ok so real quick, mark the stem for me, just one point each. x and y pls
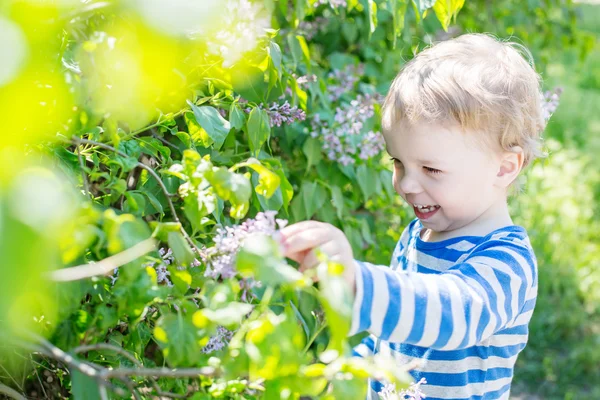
(106, 265)
(13, 394)
(314, 337)
(154, 125)
(86, 185)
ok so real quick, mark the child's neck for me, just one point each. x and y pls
(495, 217)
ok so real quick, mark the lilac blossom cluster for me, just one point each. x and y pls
(550, 101)
(162, 273)
(332, 3)
(280, 114)
(412, 393)
(310, 29)
(218, 341)
(303, 80)
(220, 259)
(343, 80)
(345, 140)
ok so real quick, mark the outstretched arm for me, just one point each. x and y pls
(456, 309)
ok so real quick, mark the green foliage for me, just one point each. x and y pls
(173, 140)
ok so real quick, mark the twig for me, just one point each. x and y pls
(102, 375)
(163, 140)
(106, 346)
(10, 392)
(104, 266)
(154, 125)
(158, 372)
(130, 357)
(37, 374)
(91, 370)
(77, 140)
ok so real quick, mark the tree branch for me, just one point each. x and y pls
(104, 266)
(130, 357)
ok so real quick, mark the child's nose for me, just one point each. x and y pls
(408, 184)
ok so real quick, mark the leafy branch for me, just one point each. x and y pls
(78, 141)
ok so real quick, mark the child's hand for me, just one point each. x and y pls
(299, 240)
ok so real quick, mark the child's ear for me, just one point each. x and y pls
(511, 163)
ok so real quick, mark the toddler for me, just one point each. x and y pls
(461, 120)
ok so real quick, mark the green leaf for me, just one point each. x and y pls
(196, 132)
(154, 201)
(275, 54)
(337, 199)
(237, 118)
(180, 339)
(260, 258)
(312, 150)
(160, 230)
(336, 297)
(445, 10)
(313, 195)
(259, 129)
(367, 180)
(249, 82)
(268, 181)
(213, 123)
(84, 387)
(300, 50)
(372, 16)
(181, 249)
(398, 10)
(134, 203)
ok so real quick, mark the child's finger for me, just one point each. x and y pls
(294, 229)
(305, 240)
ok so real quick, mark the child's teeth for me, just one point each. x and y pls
(427, 209)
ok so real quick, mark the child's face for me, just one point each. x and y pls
(440, 165)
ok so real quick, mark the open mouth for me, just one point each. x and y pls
(425, 212)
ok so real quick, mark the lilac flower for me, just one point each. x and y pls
(345, 136)
(311, 28)
(305, 79)
(412, 393)
(550, 101)
(343, 81)
(280, 114)
(218, 341)
(162, 273)
(220, 259)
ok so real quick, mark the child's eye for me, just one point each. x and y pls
(432, 170)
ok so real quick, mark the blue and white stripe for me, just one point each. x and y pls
(461, 306)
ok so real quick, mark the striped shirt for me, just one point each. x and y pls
(461, 306)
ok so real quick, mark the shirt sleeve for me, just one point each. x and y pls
(456, 309)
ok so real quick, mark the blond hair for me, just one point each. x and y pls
(482, 83)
